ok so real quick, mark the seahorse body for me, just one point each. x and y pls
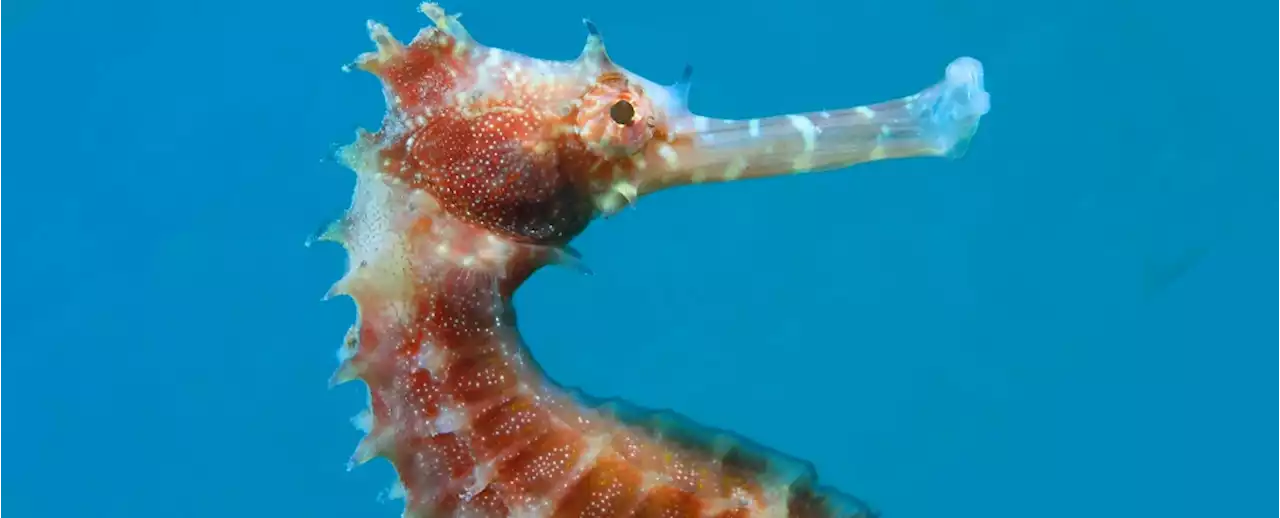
(487, 164)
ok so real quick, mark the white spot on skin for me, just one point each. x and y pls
(699, 175)
(864, 111)
(481, 475)
(539, 508)
(432, 359)
(651, 479)
(450, 420)
(735, 168)
(753, 128)
(627, 190)
(809, 133)
(669, 155)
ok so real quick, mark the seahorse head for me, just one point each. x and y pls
(532, 149)
(535, 149)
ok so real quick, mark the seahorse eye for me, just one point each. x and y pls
(622, 112)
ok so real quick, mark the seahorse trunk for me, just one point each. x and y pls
(468, 419)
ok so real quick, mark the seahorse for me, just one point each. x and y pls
(488, 163)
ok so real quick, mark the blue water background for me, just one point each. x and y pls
(1073, 320)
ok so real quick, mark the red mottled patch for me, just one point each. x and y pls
(422, 74)
(431, 468)
(501, 169)
(386, 344)
(479, 378)
(462, 309)
(421, 396)
(515, 422)
(485, 504)
(490, 152)
(378, 404)
(669, 502)
(611, 489)
(737, 512)
(542, 465)
(380, 337)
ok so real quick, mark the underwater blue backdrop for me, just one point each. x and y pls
(1074, 319)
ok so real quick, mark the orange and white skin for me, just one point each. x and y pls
(488, 163)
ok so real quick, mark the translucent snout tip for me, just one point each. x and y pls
(960, 103)
(964, 82)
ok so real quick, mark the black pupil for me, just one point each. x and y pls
(621, 112)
